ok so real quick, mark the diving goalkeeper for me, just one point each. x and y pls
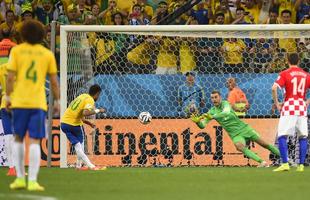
(238, 131)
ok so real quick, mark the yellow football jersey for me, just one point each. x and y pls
(31, 63)
(3, 73)
(74, 113)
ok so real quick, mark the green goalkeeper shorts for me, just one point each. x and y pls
(247, 134)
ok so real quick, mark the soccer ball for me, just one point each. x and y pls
(145, 117)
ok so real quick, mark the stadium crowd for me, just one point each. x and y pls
(120, 53)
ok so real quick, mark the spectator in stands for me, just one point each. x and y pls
(209, 59)
(191, 97)
(237, 98)
(118, 19)
(232, 51)
(240, 17)
(305, 19)
(161, 12)
(26, 15)
(288, 44)
(92, 18)
(9, 26)
(89, 4)
(113, 8)
(304, 53)
(146, 9)
(71, 18)
(260, 54)
(303, 9)
(137, 17)
(273, 17)
(223, 7)
(5, 45)
(44, 13)
(81, 12)
(181, 20)
(289, 5)
(264, 11)
(10, 5)
(202, 14)
(219, 18)
(278, 62)
(251, 10)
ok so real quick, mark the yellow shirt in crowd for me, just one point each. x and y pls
(74, 113)
(233, 51)
(31, 63)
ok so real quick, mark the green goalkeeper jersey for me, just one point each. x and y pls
(228, 119)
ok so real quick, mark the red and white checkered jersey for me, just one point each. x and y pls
(295, 107)
(295, 82)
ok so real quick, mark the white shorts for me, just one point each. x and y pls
(288, 125)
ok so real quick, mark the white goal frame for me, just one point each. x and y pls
(64, 29)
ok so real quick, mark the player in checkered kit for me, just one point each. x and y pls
(295, 81)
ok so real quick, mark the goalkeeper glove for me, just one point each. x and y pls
(207, 116)
(196, 118)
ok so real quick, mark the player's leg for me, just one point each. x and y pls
(79, 148)
(239, 142)
(9, 139)
(302, 130)
(257, 139)
(20, 122)
(286, 127)
(75, 136)
(37, 131)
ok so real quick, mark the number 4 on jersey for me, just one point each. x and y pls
(31, 73)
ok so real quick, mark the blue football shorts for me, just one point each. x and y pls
(75, 134)
(6, 121)
(31, 120)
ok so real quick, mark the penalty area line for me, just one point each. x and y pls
(27, 196)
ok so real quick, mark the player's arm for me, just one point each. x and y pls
(85, 121)
(55, 90)
(92, 111)
(275, 96)
(9, 87)
(201, 120)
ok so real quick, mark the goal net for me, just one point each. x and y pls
(152, 68)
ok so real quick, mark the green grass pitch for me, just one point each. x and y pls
(205, 183)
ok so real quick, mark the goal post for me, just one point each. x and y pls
(129, 63)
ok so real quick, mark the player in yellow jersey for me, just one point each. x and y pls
(29, 64)
(73, 119)
(6, 122)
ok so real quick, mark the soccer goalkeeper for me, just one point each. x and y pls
(238, 131)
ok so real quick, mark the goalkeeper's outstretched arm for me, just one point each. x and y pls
(202, 120)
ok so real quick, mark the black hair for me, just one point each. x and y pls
(33, 32)
(216, 92)
(94, 89)
(293, 58)
(286, 11)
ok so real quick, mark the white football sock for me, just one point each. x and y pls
(18, 159)
(9, 139)
(34, 161)
(80, 153)
(79, 161)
